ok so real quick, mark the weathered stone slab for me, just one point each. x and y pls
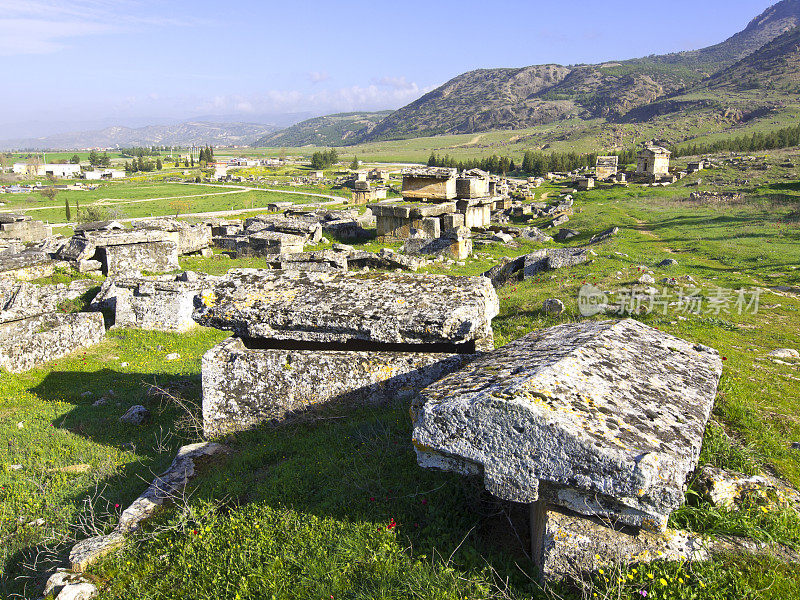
(24, 300)
(553, 258)
(153, 257)
(25, 230)
(27, 266)
(190, 238)
(567, 546)
(99, 226)
(384, 260)
(30, 342)
(610, 415)
(322, 260)
(125, 237)
(413, 210)
(78, 248)
(310, 230)
(340, 307)
(604, 235)
(455, 243)
(243, 387)
(264, 243)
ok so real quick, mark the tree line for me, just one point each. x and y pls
(780, 138)
(99, 160)
(143, 164)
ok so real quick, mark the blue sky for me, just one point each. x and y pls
(82, 64)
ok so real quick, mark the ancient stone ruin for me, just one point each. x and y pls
(597, 422)
(307, 338)
(23, 228)
(121, 252)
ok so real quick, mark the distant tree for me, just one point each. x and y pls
(75, 160)
(159, 164)
(355, 164)
(432, 160)
(180, 206)
(333, 156)
(177, 164)
(105, 160)
(94, 158)
(49, 193)
(192, 160)
(66, 209)
(185, 164)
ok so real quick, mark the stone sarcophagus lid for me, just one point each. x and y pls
(304, 338)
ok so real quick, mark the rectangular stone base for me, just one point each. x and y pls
(243, 387)
(151, 257)
(28, 343)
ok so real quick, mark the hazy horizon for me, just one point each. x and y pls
(90, 64)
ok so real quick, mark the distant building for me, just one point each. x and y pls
(606, 167)
(104, 174)
(695, 166)
(318, 175)
(653, 161)
(49, 170)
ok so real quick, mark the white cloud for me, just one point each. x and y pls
(45, 26)
(318, 76)
(396, 83)
(352, 98)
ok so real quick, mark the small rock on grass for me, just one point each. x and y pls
(647, 279)
(785, 353)
(136, 415)
(553, 306)
(795, 446)
(670, 262)
(172, 356)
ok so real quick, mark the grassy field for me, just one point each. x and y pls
(302, 509)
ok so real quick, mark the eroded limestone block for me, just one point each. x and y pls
(27, 343)
(23, 300)
(553, 258)
(568, 546)
(153, 257)
(189, 237)
(610, 415)
(387, 308)
(243, 386)
(78, 248)
(266, 242)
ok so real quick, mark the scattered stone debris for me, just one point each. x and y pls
(454, 243)
(536, 235)
(165, 487)
(529, 265)
(189, 238)
(669, 262)
(729, 489)
(602, 418)
(136, 415)
(306, 338)
(23, 228)
(603, 236)
(64, 585)
(566, 234)
(20, 300)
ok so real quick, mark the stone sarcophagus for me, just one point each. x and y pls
(602, 419)
(303, 338)
(430, 183)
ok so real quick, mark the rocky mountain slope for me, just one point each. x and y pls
(331, 130)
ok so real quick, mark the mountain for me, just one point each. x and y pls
(331, 130)
(181, 134)
(506, 99)
(775, 66)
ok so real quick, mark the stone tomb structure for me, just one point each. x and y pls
(396, 221)
(121, 252)
(597, 420)
(23, 228)
(606, 167)
(433, 184)
(160, 303)
(653, 162)
(190, 238)
(304, 338)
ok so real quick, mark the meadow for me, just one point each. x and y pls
(331, 503)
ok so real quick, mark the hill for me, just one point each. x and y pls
(331, 130)
(182, 134)
(504, 99)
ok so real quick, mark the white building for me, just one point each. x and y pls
(105, 174)
(60, 171)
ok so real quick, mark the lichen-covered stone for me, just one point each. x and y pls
(728, 489)
(243, 387)
(77, 248)
(263, 243)
(610, 415)
(552, 259)
(152, 257)
(384, 260)
(27, 266)
(27, 343)
(310, 230)
(161, 303)
(189, 237)
(340, 307)
(567, 546)
(20, 300)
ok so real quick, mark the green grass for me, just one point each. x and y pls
(301, 509)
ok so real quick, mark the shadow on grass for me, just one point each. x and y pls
(352, 463)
